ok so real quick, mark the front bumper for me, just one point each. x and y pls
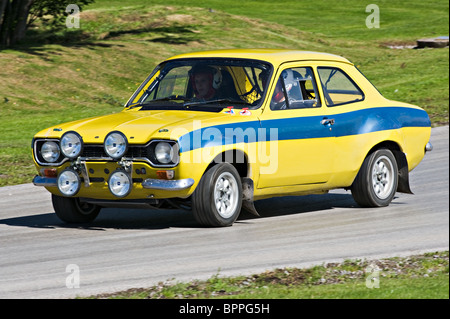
(170, 185)
(149, 183)
(44, 181)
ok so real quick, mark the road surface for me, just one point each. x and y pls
(40, 257)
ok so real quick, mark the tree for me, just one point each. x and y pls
(13, 20)
(17, 15)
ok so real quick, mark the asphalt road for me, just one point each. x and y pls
(40, 257)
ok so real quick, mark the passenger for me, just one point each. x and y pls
(278, 101)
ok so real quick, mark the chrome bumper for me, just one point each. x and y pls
(160, 184)
(44, 181)
(170, 185)
(428, 147)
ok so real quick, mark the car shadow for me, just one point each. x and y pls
(114, 218)
(111, 218)
(288, 205)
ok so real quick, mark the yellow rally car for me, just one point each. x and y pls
(214, 131)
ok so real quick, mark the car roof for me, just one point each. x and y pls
(274, 56)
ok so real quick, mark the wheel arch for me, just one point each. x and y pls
(239, 159)
(402, 163)
(236, 157)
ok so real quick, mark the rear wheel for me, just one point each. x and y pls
(71, 210)
(377, 180)
(217, 199)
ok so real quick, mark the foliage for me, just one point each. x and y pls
(53, 12)
(16, 16)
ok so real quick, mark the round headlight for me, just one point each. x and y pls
(119, 183)
(68, 182)
(71, 145)
(164, 152)
(50, 152)
(116, 145)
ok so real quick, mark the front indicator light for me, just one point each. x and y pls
(49, 172)
(69, 182)
(165, 174)
(120, 183)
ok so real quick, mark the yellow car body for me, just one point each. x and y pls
(312, 145)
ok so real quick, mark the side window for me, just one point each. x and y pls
(337, 87)
(295, 89)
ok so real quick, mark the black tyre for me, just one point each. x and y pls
(217, 200)
(71, 210)
(377, 180)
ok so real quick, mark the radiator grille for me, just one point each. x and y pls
(97, 151)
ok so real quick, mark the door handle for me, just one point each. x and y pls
(327, 121)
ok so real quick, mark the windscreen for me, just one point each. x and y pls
(204, 82)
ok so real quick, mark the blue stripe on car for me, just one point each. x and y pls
(345, 124)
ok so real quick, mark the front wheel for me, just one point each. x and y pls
(71, 210)
(377, 180)
(217, 199)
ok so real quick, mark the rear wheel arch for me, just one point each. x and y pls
(377, 180)
(402, 164)
(363, 185)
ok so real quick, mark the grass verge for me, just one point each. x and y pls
(423, 276)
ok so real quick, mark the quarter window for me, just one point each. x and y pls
(337, 87)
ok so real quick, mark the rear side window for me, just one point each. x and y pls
(337, 87)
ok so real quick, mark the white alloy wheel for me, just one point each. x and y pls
(225, 195)
(217, 200)
(382, 177)
(377, 180)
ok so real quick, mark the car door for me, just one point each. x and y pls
(302, 152)
(351, 115)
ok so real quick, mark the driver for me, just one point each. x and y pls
(205, 81)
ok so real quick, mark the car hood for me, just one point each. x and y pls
(140, 126)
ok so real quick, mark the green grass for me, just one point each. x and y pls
(346, 19)
(57, 77)
(416, 277)
(401, 288)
